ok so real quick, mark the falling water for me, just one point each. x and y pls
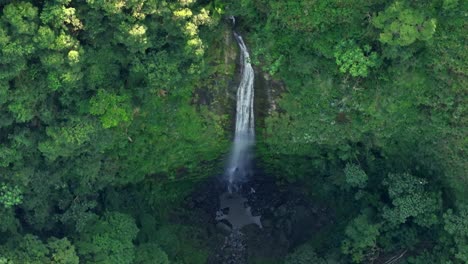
(241, 156)
(234, 209)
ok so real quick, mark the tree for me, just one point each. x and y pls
(411, 200)
(62, 251)
(429, 257)
(9, 224)
(18, 24)
(26, 249)
(150, 253)
(355, 60)
(304, 254)
(355, 176)
(182, 244)
(30, 249)
(402, 25)
(456, 224)
(108, 240)
(10, 195)
(112, 109)
(361, 239)
(69, 138)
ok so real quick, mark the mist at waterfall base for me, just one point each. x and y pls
(240, 159)
(239, 167)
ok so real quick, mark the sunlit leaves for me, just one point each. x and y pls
(22, 17)
(10, 195)
(112, 7)
(402, 25)
(59, 16)
(133, 36)
(355, 60)
(202, 18)
(186, 2)
(183, 13)
(111, 108)
(18, 25)
(73, 56)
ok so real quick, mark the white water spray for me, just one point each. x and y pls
(240, 160)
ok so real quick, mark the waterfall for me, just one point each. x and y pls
(234, 211)
(240, 159)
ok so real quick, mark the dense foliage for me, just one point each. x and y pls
(110, 113)
(96, 96)
(372, 121)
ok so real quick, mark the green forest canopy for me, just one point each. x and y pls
(100, 114)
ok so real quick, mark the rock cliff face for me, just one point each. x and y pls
(230, 52)
(220, 89)
(267, 95)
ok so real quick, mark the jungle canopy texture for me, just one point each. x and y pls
(112, 111)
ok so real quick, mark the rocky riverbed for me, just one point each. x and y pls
(288, 218)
